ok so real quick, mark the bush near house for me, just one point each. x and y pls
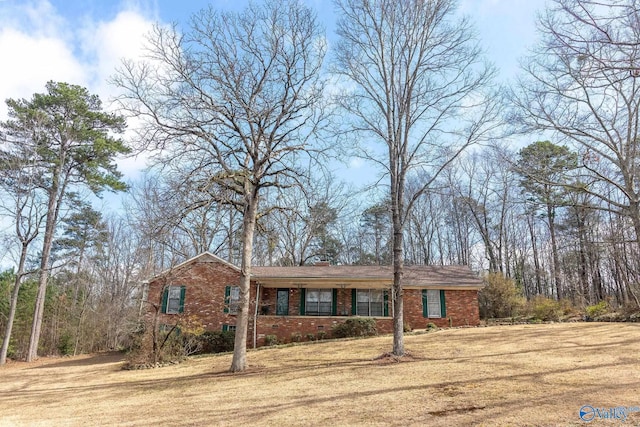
(216, 341)
(500, 297)
(355, 327)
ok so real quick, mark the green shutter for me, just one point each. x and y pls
(225, 328)
(165, 297)
(354, 302)
(227, 297)
(443, 307)
(183, 291)
(303, 297)
(385, 298)
(425, 309)
(334, 302)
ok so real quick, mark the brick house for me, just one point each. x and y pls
(295, 302)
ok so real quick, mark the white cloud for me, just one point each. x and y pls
(35, 48)
(106, 43)
(32, 61)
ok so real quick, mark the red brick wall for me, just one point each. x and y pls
(462, 309)
(205, 284)
(285, 328)
(204, 300)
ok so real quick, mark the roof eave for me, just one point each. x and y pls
(190, 261)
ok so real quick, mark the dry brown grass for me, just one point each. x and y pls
(505, 375)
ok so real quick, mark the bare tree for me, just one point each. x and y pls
(581, 85)
(235, 98)
(22, 205)
(303, 225)
(414, 82)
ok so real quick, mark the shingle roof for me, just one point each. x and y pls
(415, 276)
(453, 276)
(203, 257)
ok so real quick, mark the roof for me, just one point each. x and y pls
(414, 276)
(203, 257)
(458, 277)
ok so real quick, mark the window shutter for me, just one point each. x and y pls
(354, 302)
(227, 298)
(385, 307)
(443, 307)
(425, 309)
(303, 297)
(183, 291)
(165, 297)
(225, 328)
(334, 302)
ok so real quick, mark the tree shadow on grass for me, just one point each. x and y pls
(91, 360)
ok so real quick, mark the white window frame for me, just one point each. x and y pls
(365, 296)
(234, 299)
(173, 300)
(434, 310)
(321, 299)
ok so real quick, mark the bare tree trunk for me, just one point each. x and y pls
(14, 303)
(239, 361)
(38, 314)
(536, 256)
(557, 274)
(398, 301)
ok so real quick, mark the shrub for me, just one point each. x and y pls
(174, 342)
(431, 326)
(296, 337)
(321, 335)
(546, 309)
(271, 340)
(66, 344)
(406, 327)
(311, 337)
(355, 327)
(500, 297)
(597, 310)
(217, 341)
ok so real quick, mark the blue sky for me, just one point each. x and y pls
(82, 41)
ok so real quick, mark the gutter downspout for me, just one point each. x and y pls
(255, 317)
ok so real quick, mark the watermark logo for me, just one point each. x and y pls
(589, 413)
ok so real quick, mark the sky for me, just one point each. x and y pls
(83, 41)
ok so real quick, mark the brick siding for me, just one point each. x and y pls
(204, 303)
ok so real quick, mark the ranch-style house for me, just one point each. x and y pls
(309, 300)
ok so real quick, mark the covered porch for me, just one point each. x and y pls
(297, 309)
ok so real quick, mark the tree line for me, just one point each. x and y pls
(243, 117)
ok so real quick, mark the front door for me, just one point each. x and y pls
(282, 302)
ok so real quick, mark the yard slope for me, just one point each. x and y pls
(503, 375)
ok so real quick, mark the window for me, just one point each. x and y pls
(433, 304)
(282, 302)
(228, 328)
(173, 299)
(319, 302)
(231, 299)
(369, 302)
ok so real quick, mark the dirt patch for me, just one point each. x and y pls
(390, 358)
(68, 361)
